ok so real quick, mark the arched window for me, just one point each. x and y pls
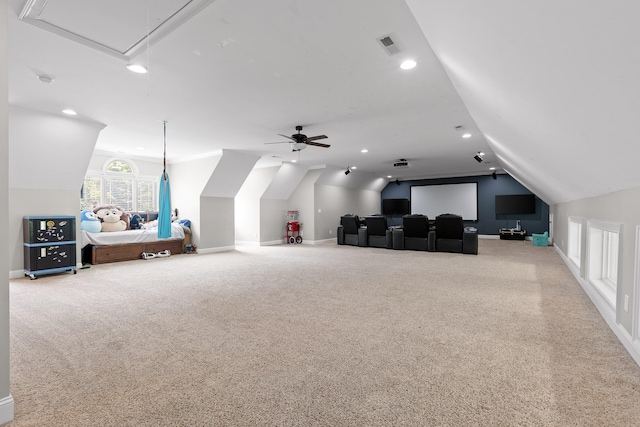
(119, 184)
(118, 166)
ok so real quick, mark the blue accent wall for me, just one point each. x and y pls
(488, 222)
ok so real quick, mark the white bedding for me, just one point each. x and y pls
(129, 236)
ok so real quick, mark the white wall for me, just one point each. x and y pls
(217, 217)
(332, 202)
(217, 231)
(275, 203)
(273, 218)
(229, 174)
(334, 175)
(48, 158)
(188, 180)
(320, 206)
(247, 204)
(285, 182)
(6, 401)
(55, 150)
(621, 207)
(302, 200)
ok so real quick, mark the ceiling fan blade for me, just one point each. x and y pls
(288, 137)
(313, 138)
(317, 144)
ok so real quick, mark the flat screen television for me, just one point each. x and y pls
(395, 206)
(511, 204)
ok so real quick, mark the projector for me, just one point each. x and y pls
(401, 163)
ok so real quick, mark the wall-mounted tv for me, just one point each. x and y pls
(511, 204)
(395, 206)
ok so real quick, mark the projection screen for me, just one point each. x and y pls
(433, 200)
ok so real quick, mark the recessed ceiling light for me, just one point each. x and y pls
(389, 176)
(481, 153)
(354, 167)
(294, 161)
(364, 150)
(466, 135)
(492, 169)
(69, 112)
(137, 68)
(408, 64)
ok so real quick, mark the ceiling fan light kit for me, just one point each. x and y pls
(300, 141)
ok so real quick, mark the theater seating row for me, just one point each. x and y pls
(448, 235)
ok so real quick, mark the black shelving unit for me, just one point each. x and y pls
(49, 245)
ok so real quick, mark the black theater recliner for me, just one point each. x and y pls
(378, 234)
(350, 232)
(414, 233)
(450, 235)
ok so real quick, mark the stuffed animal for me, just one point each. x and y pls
(135, 222)
(89, 222)
(113, 218)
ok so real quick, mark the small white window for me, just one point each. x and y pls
(603, 242)
(575, 240)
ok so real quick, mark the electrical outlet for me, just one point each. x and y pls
(626, 303)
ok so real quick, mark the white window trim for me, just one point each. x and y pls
(603, 286)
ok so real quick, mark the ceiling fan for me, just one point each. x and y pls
(300, 141)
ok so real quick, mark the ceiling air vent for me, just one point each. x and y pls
(401, 163)
(389, 44)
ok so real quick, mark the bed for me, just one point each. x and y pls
(103, 247)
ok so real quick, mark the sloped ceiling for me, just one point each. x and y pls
(549, 90)
(237, 74)
(553, 85)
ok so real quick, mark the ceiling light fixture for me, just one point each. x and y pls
(69, 112)
(44, 79)
(408, 64)
(137, 68)
(466, 135)
(478, 156)
(364, 150)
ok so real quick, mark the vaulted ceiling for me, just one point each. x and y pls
(548, 90)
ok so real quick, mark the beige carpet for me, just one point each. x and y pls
(319, 336)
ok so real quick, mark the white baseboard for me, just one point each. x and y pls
(214, 250)
(6, 409)
(273, 242)
(605, 309)
(16, 274)
(320, 242)
(246, 243)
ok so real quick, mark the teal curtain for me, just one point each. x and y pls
(164, 214)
